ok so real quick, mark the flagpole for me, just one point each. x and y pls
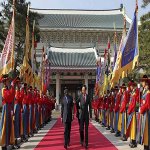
(124, 14)
(32, 58)
(13, 49)
(136, 9)
(28, 10)
(115, 44)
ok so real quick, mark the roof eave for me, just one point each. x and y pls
(76, 11)
(45, 29)
(73, 68)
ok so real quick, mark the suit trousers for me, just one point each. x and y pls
(67, 126)
(84, 131)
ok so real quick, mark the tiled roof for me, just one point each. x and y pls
(72, 58)
(95, 19)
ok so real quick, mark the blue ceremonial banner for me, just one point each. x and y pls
(130, 48)
(115, 54)
(98, 74)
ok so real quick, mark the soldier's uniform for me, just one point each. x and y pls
(40, 111)
(25, 111)
(31, 110)
(95, 103)
(107, 107)
(7, 128)
(116, 111)
(112, 105)
(17, 112)
(104, 111)
(143, 135)
(123, 111)
(100, 109)
(36, 110)
(132, 121)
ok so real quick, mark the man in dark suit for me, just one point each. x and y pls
(85, 112)
(77, 105)
(66, 116)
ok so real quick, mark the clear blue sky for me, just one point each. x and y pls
(90, 4)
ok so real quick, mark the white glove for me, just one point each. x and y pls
(12, 113)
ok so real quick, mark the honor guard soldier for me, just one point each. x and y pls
(100, 109)
(31, 110)
(17, 112)
(123, 111)
(95, 103)
(107, 107)
(7, 128)
(112, 105)
(24, 93)
(143, 135)
(117, 95)
(104, 110)
(132, 121)
(36, 113)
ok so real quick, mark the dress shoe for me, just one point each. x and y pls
(108, 128)
(65, 146)
(133, 145)
(35, 131)
(81, 143)
(117, 134)
(112, 131)
(103, 125)
(124, 139)
(86, 147)
(16, 147)
(146, 147)
(25, 140)
(4, 148)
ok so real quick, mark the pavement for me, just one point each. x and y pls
(116, 141)
(119, 144)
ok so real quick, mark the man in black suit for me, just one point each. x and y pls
(85, 112)
(66, 116)
(77, 105)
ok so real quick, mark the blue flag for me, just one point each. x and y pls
(98, 73)
(130, 48)
(115, 53)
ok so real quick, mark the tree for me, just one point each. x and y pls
(144, 42)
(20, 25)
(145, 3)
(2, 32)
(144, 46)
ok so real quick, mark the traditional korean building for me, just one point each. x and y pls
(73, 40)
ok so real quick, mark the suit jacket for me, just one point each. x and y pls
(84, 106)
(67, 108)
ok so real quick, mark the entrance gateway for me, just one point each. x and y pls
(73, 40)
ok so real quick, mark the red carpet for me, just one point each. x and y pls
(53, 140)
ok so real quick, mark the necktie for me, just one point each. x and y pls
(66, 99)
(84, 98)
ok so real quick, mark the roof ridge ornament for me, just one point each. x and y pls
(71, 50)
(121, 7)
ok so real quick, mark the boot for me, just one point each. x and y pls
(108, 128)
(25, 139)
(124, 138)
(112, 130)
(117, 134)
(133, 144)
(4, 147)
(146, 147)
